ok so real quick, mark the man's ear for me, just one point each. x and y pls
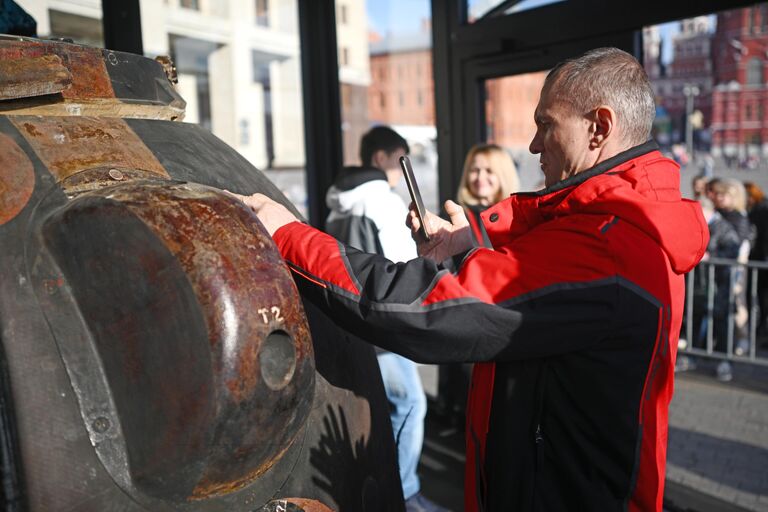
(379, 159)
(603, 124)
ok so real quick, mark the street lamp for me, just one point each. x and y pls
(690, 91)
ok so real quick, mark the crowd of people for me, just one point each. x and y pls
(737, 217)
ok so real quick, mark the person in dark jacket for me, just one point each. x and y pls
(730, 200)
(725, 243)
(573, 316)
(757, 210)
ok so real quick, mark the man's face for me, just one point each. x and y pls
(562, 138)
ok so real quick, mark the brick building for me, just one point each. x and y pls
(740, 96)
(509, 107)
(402, 89)
(690, 67)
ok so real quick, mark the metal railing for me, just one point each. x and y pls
(749, 270)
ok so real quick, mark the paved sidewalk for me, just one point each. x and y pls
(718, 440)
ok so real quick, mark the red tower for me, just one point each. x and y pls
(740, 96)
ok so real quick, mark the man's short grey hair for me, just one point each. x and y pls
(612, 77)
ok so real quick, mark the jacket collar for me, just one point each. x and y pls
(639, 186)
(606, 165)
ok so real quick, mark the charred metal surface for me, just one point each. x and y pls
(157, 354)
(89, 76)
(184, 150)
(67, 145)
(198, 409)
(101, 82)
(101, 177)
(17, 179)
(36, 76)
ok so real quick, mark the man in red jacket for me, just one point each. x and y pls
(572, 317)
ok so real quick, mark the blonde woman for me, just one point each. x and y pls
(489, 176)
(730, 199)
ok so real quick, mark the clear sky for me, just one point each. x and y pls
(397, 16)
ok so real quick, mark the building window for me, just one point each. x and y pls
(419, 98)
(343, 14)
(383, 100)
(262, 13)
(401, 98)
(190, 4)
(262, 75)
(748, 112)
(755, 71)
(345, 56)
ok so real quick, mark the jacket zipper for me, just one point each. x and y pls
(538, 435)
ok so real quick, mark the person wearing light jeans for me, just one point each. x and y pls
(408, 407)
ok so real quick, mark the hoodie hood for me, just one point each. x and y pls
(353, 185)
(639, 186)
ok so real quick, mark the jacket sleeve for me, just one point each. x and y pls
(480, 306)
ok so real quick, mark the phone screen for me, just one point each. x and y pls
(413, 190)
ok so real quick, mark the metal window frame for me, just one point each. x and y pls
(465, 55)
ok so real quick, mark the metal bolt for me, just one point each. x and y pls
(116, 175)
(101, 424)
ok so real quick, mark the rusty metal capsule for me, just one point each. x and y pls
(157, 354)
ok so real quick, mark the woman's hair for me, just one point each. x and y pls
(502, 166)
(755, 193)
(735, 190)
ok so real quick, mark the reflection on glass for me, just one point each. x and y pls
(478, 9)
(708, 75)
(385, 74)
(509, 107)
(78, 21)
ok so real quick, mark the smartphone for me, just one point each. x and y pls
(413, 190)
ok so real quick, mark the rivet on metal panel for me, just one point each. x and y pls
(116, 175)
(101, 424)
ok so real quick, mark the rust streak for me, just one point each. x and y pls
(89, 76)
(17, 179)
(67, 145)
(35, 76)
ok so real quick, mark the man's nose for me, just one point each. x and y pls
(535, 145)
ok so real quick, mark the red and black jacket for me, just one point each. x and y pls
(574, 316)
(473, 213)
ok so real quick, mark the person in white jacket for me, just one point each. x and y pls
(368, 215)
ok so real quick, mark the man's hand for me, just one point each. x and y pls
(445, 238)
(272, 214)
